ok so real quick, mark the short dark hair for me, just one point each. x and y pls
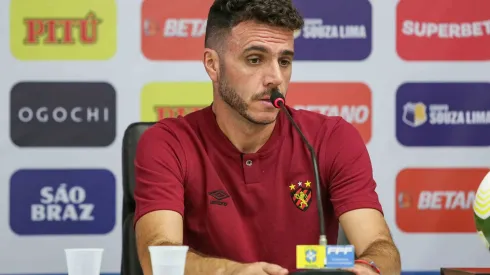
(226, 14)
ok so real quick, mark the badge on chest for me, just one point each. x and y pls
(301, 194)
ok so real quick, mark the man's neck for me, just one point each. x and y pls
(244, 135)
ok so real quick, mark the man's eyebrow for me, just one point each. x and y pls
(288, 52)
(256, 48)
(264, 50)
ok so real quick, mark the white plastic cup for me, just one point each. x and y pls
(84, 261)
(168, 260)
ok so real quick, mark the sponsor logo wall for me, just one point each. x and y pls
(411, 77)
(443, 114)
(60, 30)
(441, 197)
(64, 114)
(62, 202)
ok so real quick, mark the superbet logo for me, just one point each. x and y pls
(444, 30)
(172, 111)
(61, 30)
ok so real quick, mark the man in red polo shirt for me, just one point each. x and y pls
(234, 181)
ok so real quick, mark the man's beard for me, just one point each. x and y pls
(231, 97)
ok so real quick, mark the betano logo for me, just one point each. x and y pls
(173, 27)
(351, 101)
(61, 30)
(434, 32)
(442, 198)
(161, 99)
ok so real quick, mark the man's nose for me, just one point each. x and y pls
(273, 76)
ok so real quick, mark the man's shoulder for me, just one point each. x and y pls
(174, 129)
(322, 129)
(181, 123)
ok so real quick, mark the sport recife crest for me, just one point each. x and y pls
(301, 194)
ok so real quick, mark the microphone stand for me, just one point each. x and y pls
(323, 236)
(277, 99)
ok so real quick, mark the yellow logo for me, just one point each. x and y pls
(414, 114)
(171, 99)
(310, 256)
(481, 204)
(63, 30)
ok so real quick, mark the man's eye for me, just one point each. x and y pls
(285, 62)
(254, 60)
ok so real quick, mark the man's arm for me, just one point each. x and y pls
(353, 194)
(160, 168)
(367, 230)
(160, 171)
(165, 227)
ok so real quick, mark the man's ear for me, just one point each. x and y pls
(211, 63)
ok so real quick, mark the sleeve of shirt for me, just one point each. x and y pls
(351, 184)
(159, 172)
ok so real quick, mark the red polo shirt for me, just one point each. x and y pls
(253, 207)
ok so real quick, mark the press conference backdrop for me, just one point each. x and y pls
(411, 76)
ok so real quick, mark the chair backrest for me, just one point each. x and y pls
(130, 264)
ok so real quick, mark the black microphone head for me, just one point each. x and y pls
(277, 99)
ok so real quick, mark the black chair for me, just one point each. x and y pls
(130, 264)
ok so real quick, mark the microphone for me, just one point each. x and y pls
(277, 99)
(341, 256)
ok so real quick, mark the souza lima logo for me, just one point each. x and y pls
(59, 202)
(334, 30)
(429, 114)
(301, 194)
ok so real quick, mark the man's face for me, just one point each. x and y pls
(256, 60)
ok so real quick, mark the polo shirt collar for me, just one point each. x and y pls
(224, 145)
